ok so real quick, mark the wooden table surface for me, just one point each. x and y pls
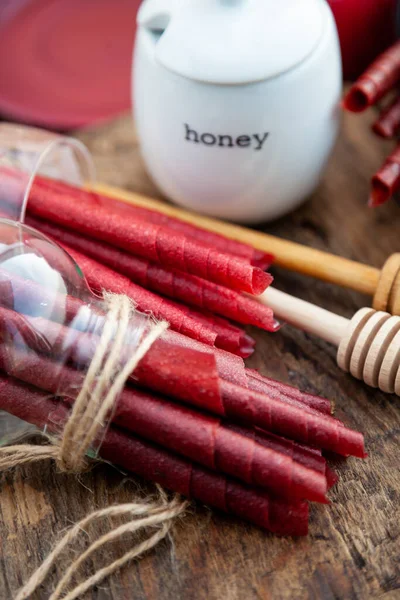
(353, 549)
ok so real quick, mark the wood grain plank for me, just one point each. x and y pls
(353, 550)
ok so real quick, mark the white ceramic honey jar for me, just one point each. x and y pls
(237, 102)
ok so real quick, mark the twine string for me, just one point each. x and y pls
(22, 454)
(94, 404)
(92, 408)
(163, 515)
(119, 563)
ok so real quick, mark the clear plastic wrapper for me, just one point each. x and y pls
(47, 312)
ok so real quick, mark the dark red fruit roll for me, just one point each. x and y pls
(156, 464)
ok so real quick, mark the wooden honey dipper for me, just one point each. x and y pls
(383, 285)
(368, 344)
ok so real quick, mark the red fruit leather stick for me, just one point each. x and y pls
(386, 182)
(191, 376)
(309, 457)
(196, 436)
(297, 452)
(229, 337)
(388, 123)
(176, 372)
(375, 82)
(247, 253)
(96, 276)
(232, 368)
(169, 368)
(163, 467)
(31, 297)
(149, 376)
(172, 365)
(229, 366)
(305, 455)
(90, 215)
(266, 385)
(246, 406)
(279, 393)
(102, 278)
(184, 287)
(211, 331)
(302, 454)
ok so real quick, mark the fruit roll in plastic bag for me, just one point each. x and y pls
(66, 355)
(44, 297)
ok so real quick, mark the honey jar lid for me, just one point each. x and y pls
(232, 41)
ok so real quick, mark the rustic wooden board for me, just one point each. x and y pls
(353, 550)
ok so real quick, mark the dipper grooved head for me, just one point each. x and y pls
(370, 349)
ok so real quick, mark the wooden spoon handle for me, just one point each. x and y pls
(289, 255)
(305, 316)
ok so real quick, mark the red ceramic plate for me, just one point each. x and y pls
(65, 63)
